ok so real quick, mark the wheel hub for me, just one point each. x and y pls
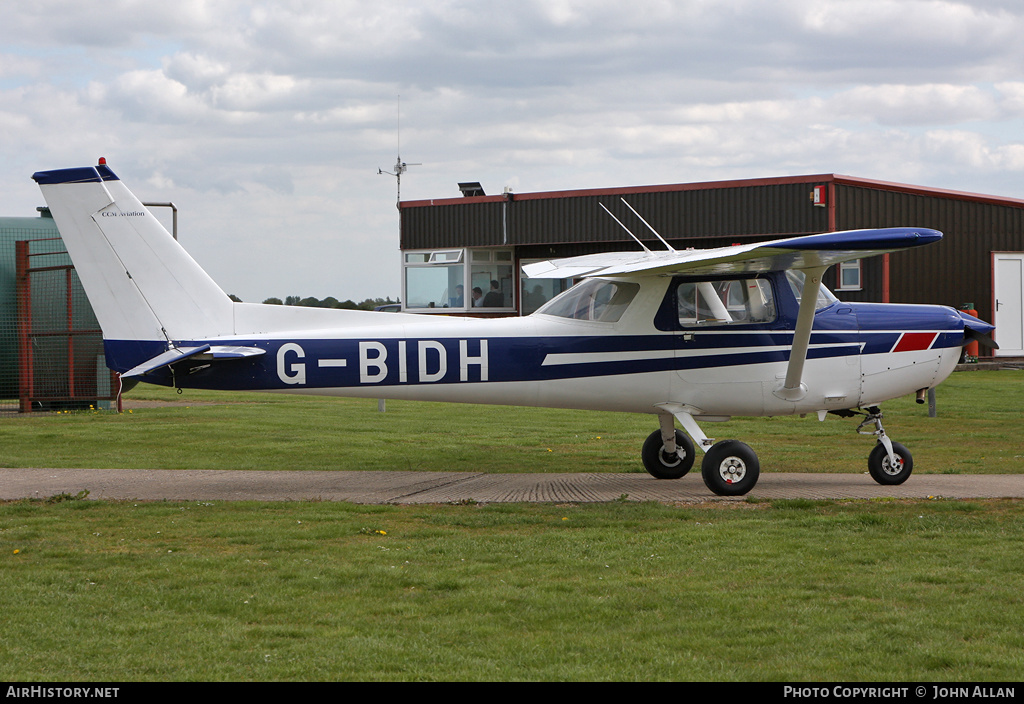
(732, 469)
(889, 468)
(670, 459)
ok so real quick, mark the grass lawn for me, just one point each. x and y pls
(770, 591)
(976, 431)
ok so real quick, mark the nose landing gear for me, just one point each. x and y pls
(889, 462)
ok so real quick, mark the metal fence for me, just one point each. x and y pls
(52, 345)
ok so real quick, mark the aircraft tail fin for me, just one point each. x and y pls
(143, 286)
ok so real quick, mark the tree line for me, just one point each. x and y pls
(330, 302)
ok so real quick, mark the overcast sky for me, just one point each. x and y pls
(266, 122)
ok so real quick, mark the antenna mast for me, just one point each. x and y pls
(400, 166)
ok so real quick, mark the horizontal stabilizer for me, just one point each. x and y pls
(178, 354)
(162, 360)
(234, 352)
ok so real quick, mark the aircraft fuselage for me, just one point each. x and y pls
(860, 354)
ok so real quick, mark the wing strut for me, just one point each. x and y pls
(792, 388)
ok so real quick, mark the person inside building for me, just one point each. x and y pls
(494, 297)
(532, 300)
(478, 296)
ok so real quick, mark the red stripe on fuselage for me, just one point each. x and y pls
(915, 341)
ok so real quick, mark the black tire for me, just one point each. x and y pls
(730, 468)
(662, 465)
(881, 468)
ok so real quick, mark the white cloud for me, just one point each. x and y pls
(266, 121)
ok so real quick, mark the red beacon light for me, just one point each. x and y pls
(103, 161)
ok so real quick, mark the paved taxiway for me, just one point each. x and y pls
(447, 487)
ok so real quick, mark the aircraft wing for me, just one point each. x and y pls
(806, 252)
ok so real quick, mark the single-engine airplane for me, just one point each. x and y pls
(693, 336)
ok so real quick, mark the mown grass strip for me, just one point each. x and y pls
(976, 431)
(793, 591)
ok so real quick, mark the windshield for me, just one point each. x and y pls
(796, 282)
(595, 299)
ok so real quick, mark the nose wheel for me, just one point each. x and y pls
(889, 462)
(884, 470)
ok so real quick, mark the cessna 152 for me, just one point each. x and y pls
(693, 336)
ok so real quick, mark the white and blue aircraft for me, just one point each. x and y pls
(688, 336)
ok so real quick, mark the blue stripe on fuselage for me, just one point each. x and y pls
(319, 363)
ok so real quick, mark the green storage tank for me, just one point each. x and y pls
(67, 370)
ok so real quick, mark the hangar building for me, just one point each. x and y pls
(452, 246)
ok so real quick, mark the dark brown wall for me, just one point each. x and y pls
(955, 271)
(695, 213)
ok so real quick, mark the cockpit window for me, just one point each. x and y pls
(725, 302)
(595, 299)
(796, 282)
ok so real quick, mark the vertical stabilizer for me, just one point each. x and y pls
(141, 283)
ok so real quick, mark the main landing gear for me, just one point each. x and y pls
(731, 468)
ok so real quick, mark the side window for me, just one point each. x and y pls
(725, 302)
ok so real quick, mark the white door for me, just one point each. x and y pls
(1009, 309)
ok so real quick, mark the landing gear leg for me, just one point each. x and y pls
(668, 453)
(729, 468)
(889, 462)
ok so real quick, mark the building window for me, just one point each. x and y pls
(537, 292)
(849, 276)
(441, 280)
(492, 284)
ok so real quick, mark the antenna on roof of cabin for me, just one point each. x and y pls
(667, 245)
(625, 228)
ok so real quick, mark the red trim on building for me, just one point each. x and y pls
(830, 179)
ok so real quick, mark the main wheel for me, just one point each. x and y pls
(730, 468)
(660, 463)
(882, 469)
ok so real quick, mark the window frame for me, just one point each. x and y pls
(854, 265)
(466, 258)
(667, 317)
